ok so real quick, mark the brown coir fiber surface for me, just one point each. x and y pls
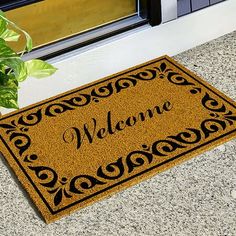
(81, 146)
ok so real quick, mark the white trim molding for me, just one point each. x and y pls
(169, 10)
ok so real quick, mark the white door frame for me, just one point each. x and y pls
(169, 10)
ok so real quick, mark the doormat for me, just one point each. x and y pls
(81, 146)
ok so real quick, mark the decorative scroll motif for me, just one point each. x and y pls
(105, 91)
(62, 187)
(165, 148)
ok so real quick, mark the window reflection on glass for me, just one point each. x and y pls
(48, 21)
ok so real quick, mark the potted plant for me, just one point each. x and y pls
(13, 69)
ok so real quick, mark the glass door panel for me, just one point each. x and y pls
(49, 20)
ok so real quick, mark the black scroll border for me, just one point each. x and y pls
(54, 212)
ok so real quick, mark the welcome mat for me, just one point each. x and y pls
(81, 146)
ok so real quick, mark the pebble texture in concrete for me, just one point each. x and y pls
(195, 198)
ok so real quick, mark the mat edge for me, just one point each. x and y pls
(140, 179)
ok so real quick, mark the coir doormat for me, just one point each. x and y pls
(81, 146)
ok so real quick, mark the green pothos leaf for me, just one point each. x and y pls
(13, 69)
(10, 35)
(8, 97)
(3, 23)
(2, 68)
(8, 91)
(29, 42)
(19, 68)
(6, 52)
(4, 79)
(8, 81)
(39, 69)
